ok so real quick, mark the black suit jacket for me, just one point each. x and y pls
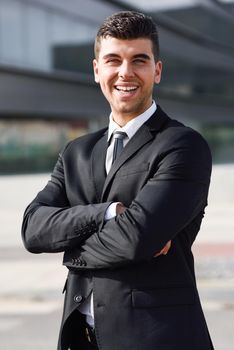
(140, 302)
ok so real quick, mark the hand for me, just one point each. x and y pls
(120, 208)
(165, 249)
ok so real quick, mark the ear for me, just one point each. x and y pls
(158, 72)
(95, 70)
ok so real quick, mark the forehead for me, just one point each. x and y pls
(124, 47)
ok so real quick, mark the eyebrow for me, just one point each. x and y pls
(139, 55)
(142, 55)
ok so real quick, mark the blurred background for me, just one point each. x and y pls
(48, 96)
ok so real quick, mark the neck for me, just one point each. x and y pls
(123, 117)
(122, 120)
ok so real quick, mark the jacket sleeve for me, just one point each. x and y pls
(50, 224)
(167, 204)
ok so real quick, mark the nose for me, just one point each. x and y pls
(126, 70)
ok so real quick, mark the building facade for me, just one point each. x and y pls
(47, 92)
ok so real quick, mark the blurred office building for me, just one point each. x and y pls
(47, 92)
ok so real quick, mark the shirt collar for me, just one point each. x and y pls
(133, 125)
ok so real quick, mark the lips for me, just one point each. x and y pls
(126, 88)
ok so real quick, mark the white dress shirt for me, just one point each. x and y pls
(130, 129)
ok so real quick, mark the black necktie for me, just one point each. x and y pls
(119, 136)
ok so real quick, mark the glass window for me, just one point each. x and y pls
(80, 32)
(59, 28)
(206, 23)
(11, 30)
(72, 44)
(66, 30)
(37, 34)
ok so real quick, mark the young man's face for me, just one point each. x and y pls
(127, 72)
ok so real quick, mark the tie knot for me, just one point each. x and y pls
(120, 135)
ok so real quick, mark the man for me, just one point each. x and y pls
(125, 205)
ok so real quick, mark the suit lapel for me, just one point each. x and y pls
(144, 135)
(98, 170)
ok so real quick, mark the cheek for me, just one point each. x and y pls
(105, 88)
(103, 84)
(147, 76)
(106, 81)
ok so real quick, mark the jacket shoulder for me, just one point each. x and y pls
(84, 141)
(177, 132)
(174, 136)
(173, 130)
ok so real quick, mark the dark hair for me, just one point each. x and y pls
(128, 25)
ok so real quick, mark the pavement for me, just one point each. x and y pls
(31, 284)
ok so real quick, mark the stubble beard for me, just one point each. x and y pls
(136, 108)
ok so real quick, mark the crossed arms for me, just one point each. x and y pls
(120, 209)
(170, 201)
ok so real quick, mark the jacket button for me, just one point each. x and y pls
(84, 263)
(78, 298)
(78, 262)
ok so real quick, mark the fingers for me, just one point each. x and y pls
(165, 249)
(120, 208)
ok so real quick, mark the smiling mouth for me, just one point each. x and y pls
(126, 89)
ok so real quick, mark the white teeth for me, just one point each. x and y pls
(126, 88)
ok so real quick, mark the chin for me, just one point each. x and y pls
(126, 111)
(127, 107)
